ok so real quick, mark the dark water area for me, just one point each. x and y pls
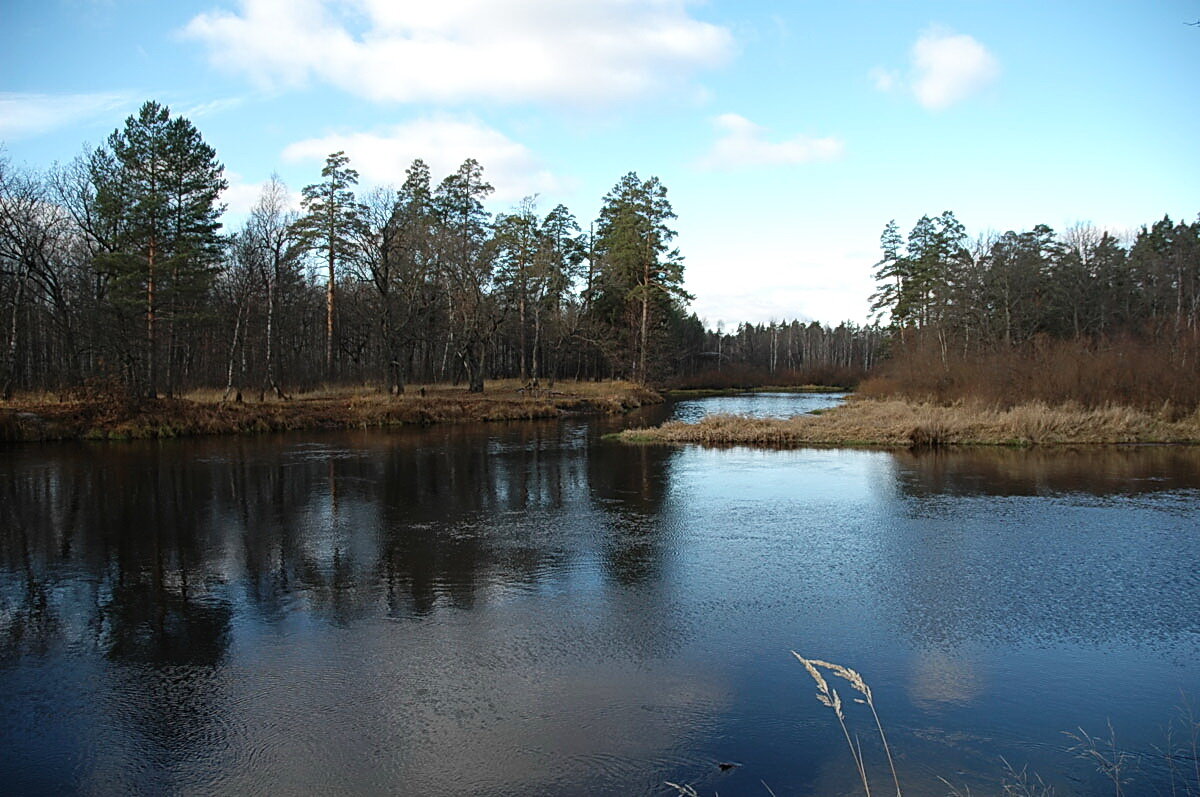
(529, 609)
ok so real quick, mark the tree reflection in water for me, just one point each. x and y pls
(540, 608)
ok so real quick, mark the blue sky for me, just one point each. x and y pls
(787, 133)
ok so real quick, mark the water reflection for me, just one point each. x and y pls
(166, 536)
(1098, 470)
(525, 608)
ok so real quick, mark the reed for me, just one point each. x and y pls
(828, 696)
(1111, 760)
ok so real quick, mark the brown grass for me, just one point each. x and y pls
(897, 423)
(1127, 372)
(203, 412)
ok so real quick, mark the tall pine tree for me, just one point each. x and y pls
(641, 275)
(330, 225)
(157, 185)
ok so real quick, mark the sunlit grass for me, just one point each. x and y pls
(898, 423)
(118, 415)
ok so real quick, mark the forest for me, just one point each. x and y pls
(1083, 316)
(115, 269)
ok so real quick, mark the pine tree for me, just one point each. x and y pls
(640, 272)
(331, 223)
(464, 254)
(890, 272)
(518, 240)
(156, 189)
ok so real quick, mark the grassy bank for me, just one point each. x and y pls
(41, 417)
(899, 423)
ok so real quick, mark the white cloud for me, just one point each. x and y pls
(765, 276)
(213, 107)
(946, 68)
(765, 263)
(23, 115)
(743, 144)
(456, 50)
(442, 142)
(950, 67)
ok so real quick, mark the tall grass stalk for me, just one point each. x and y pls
(855, 679)
(828, 696)
(1104, 753)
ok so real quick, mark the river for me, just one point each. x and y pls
(530, 609)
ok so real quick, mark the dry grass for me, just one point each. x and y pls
(1127, 372)
(897, 423)
(342, 407)
(828, 696)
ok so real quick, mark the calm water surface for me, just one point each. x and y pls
(527, 609)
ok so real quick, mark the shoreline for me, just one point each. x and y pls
(891, 423)
(161, 418)
(709, 392)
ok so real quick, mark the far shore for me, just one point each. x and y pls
(706, 392)
(35, 418)
(894, 423)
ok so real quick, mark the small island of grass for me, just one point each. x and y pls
(895, 423)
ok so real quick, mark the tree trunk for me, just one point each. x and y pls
(395, 373)
(537, 343)
(645, 328)
(269, 382)
(13, 340)
(172, 311)
(329, 301)
(237, 328)
(151, 375)
(521, 321)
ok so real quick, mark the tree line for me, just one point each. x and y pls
(1084, 316)
(116, 267)
(1009, 288)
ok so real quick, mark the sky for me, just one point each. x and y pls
(787, 133)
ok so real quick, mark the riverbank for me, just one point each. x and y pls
(895, 423)
(205, 413)
(707, 392)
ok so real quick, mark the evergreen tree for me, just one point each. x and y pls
(890, 272)
(641, 276)
(330, 225)
(560, 260)
(465, 260)
(156, 189)
(519, 273)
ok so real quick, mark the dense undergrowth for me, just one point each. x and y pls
(1125, 371)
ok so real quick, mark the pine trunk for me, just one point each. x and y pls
(329, 302)
(151, 364)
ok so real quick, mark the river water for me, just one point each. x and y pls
(529, 609)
